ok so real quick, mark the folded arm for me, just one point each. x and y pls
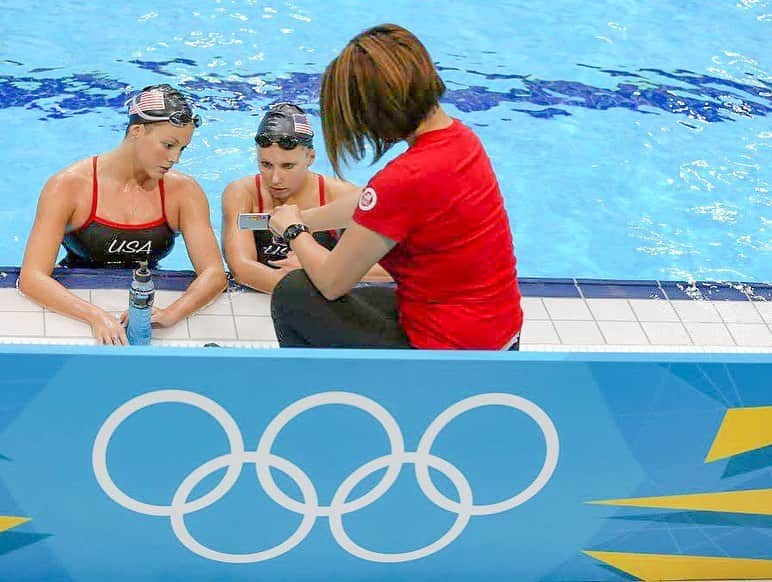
(239, 245)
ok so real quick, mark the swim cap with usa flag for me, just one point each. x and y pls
(285, 120)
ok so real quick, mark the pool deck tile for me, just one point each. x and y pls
(560, 315)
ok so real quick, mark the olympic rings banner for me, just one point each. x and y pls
(152, 463)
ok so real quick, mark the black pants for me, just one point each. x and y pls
(366, 317)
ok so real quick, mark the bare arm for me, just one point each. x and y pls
(335, 214)
(377, 274)
(334, 273)
(204, 254)
(55, 208)
(239, 245)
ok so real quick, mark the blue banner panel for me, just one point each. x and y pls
(151, 463)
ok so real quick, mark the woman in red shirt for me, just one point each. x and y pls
(433, 217)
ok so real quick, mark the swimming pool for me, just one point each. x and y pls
(632, 140)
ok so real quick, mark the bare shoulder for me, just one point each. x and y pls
(179, 183)
(183, 196)
(242, 188)
(336, 188)
(70, 180)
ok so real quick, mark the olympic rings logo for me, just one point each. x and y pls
(309, 508)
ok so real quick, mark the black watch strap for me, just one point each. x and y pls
(293, 230)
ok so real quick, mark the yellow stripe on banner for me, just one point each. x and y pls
(742, 430)
(9, 522)
(753, 501)
(668, 567)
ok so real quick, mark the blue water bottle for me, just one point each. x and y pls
(141, 295)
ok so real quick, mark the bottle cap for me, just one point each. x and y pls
(142, 273)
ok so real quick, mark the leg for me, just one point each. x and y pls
(365, 318)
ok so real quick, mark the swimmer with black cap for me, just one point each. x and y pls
(125, 206)
(285, 152)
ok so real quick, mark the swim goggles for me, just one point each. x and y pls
(178, 118)
(286, 142)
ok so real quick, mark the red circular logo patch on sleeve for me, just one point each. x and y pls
(367, 199)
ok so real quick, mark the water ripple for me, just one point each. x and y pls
(699, 97)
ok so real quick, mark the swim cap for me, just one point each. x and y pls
(161, 103)
(287, 125)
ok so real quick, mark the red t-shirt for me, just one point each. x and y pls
(454, 261)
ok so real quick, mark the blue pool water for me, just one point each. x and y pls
(632, 139)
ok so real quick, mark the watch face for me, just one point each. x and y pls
(293, 230)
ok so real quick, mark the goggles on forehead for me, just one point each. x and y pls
(181, 118)
(178, 118)
(286, 142)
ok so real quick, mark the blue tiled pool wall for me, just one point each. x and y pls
(529, 286)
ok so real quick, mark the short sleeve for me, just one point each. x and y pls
(387, 205)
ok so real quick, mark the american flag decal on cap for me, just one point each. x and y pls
(147, 101)
(301, 124)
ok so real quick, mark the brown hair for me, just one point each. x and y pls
(378, 90)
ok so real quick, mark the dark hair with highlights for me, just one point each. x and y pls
(378, 90)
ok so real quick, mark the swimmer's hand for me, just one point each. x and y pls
(108, 330)
(158, 318)
(291, 263)
(161, 318)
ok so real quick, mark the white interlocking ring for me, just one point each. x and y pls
(491, 399)
(304, 404)
(337, 507)
(180, 497)
(310, 508)
(99, 452)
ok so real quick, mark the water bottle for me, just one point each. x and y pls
(141, 295)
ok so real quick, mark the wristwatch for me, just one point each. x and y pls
(293, 230)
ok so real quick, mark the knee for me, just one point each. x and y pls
(292, 288)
